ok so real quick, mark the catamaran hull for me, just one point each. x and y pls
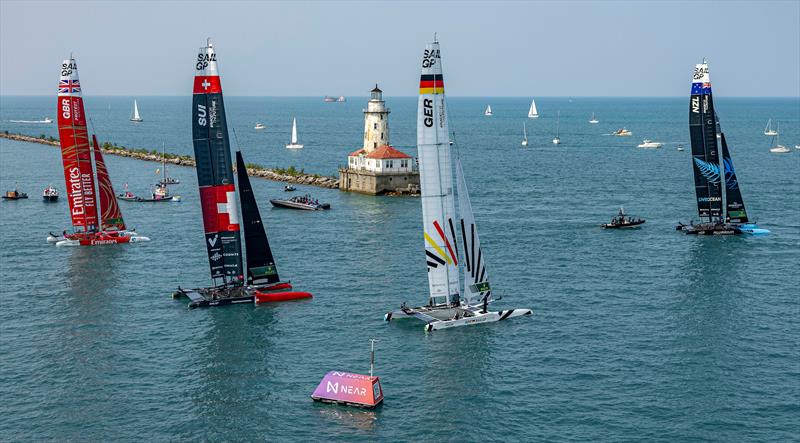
(270, 297)
(451, 317)
(220, 296)
(728, 229)
(97, 239)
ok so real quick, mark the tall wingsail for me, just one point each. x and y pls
(733, 196)
(75, 154)
(261, 267)
(110, 214)
(214, 172)
(705, 157)
(476, 280)
(436, 181)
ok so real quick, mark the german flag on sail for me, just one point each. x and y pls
(431, 84)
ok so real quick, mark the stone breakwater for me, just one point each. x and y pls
(281, 175)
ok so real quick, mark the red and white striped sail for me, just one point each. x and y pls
(110, 214)
(75, 152)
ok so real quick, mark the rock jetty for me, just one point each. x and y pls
(290, 175)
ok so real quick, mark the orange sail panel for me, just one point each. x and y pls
(110, 215)
(75, 152)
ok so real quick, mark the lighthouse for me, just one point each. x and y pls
(377, 167)
(376, 122)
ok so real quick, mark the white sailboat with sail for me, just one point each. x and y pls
(488, 111)
(524, 135)
(448, 306)
(135, 117)
(777, 147)
(768, 130)
(557, 139)
(294, 144)
(532, 112)
(594, 119)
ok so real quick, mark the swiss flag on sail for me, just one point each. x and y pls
(220, 208)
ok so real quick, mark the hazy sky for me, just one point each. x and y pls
(566, 48)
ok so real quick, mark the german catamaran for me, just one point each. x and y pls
(221, 208)
(447, 305)
(76, 155)
(721, 208)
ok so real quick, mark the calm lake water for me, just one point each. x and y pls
(637, 335)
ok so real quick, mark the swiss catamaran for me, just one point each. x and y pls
(721, 208)
(447, 305)
(135, 117)
(532, 112)
(221, 209)
(76, 155)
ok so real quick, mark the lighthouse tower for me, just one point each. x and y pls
(376, 122)
(377, 167)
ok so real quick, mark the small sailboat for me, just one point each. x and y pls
(258, 126)
(557, 139)
(256, 281)
(532, 112)
(294, 144)
(768, 130)
(166, 179)
(488, 111)
(94, 222)
(719, 199)
(777, 147)
(594, 119)
(448, 306)
(524, 135)
(135, 117)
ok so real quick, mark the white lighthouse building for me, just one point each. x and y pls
(378, 168)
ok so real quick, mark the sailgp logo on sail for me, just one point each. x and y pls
(429, 58)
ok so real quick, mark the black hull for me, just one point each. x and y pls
(144, 200)
(709, 229)
(215, 296)
(623, 225)
(49, 198)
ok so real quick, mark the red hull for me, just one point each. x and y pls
(275, 287)
(100, 238)
(268, 297)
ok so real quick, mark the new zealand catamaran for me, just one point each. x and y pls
(447, 306)
(721, 208)
(76, 154)
(221, 208)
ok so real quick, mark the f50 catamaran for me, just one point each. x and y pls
(721, 207)
(447, 306)
(221, 208)
(76, 155)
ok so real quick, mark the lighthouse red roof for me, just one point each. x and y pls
(381, 152)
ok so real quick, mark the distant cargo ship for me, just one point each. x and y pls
(329, 99)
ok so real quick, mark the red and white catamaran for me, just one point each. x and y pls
(79, 173)
(220, 206)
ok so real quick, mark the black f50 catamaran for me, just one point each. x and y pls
(220, 206)
(719, 200)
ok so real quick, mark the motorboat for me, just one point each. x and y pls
(649, 144)
(289, 188)
(304, 202)
(50, 194)
(14, 195)
(622, 132)
(621, 221)
(680, 148)
(258, 126)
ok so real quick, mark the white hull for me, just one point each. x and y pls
(294, 146)
(780, 150)
(533, 116)
(137, 120)
(524, 143)
(450, 317)
(556, 141)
